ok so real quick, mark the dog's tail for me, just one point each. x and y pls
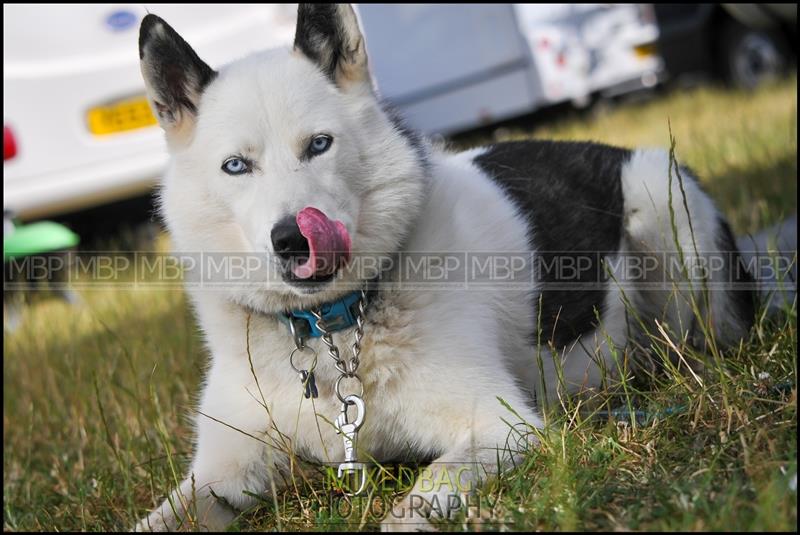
(771, 257)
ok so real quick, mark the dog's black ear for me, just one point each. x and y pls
(328, 35)
(174, 75)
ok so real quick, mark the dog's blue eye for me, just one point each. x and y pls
(235, 166)
(319, 145)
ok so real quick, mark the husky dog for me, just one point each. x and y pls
(291, 154)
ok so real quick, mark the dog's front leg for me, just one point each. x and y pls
(194, 505)
(228, 468)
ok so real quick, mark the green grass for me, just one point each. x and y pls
(95, 396)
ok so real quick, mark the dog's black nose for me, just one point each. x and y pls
(287, 242)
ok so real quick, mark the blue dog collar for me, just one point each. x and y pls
(336, 316)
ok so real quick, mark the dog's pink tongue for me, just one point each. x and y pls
(328, 243)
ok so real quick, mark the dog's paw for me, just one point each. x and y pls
(399, 525)
(169, 522)
(151, 524)
(158, 521)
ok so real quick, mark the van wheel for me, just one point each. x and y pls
(751, 56)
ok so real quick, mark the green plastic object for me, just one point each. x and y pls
(37, 238)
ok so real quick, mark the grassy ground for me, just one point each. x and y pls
(95, 396)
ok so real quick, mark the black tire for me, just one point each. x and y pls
(751, 57)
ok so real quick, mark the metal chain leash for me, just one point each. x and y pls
(348, 370)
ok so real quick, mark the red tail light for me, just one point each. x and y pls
(9, 144)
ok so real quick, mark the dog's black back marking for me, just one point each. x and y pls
(571, 194)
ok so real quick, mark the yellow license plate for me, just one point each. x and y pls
(644, 51)
(120, 116)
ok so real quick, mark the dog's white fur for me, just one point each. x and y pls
(433, 362)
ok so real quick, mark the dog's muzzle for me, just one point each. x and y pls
(311, 246)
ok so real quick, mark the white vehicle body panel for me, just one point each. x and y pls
(61, 60)
(580, 49)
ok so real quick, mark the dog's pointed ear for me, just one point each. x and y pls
(328, 35)
(174, 76)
